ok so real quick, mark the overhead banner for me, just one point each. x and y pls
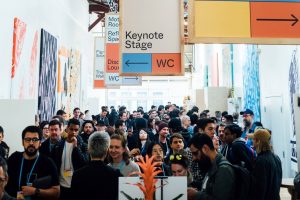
(255, 22)
(151, 44)
(112, 67)
(99, 63)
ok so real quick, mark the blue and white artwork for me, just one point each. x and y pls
(293, 88)
(251, 82)
(47, 78)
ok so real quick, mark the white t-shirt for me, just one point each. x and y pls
(66, 165)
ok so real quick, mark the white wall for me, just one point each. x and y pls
(67, 20)
(274, 64)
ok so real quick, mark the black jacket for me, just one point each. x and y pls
(220, 183)
(79, 154)
(45, 148)
(267, 174)
(95, 181)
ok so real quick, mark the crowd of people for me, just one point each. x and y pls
(83, 157)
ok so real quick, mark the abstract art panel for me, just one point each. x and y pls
(47, 78)
(24, 71)
(293, 88)
(251, 82)
(63, 79)
(74, 86)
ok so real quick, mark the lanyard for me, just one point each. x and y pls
(65, 157)
(163, 169)
(21, 170)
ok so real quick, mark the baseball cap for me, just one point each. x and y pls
(247, 111)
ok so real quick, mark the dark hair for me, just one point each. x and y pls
(180, 160)
(175, 125)
(205, 111)
(3, 164)
(148, 141)
(123, 144)
(110, 130)
(203, 115)
(122, 109)
(176, 135)
(150, 147)
(199, 140)
(76, 109)
(119, 123)
(88, 122)
(215, 119)
(60, 112)
(1, 130)
(174, 113)
(55, 122)
(229, 118)
(194, 119)
(74, 122)
(140, 123)
(160, 107)
(153, 106)
(224, 113)
(32, 129)
(202, 123)
(59, 118)
(121, 113)
(234, 129)
(150, 120)
(42, 124)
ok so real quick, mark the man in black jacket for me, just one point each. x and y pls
(219, 182)
(69, 155)
(96, 180)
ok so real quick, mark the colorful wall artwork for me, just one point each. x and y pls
(74, 85)
(251, 82)
(24, 69)
(63, 79)
(47, 77)
(293, 89)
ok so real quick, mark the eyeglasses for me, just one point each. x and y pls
(31, 139)
(177, 157)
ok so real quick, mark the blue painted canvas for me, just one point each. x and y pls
(251, 82)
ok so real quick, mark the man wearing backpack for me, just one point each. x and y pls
(219, 182)
(238, 152)
(267, 172)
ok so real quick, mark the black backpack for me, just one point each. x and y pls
(243, 181)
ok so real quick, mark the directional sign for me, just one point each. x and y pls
(151, 44)
(280, 21)
(254, 21)
(99, 63)
(112, 77)
(131, 80)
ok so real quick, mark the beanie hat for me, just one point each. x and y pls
(161, 126)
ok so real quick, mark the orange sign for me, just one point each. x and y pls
(166, 63)
(99, 84)
(275, 19)
(112, 58)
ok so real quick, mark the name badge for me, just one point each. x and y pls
(68, 173)
(20, 195)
